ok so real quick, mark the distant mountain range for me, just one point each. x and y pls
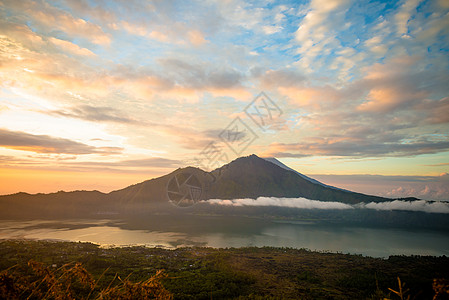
(245, 177)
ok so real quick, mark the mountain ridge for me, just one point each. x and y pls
(282, 183)
(244, 177)
(280, 164)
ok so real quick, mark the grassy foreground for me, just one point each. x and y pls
(66, 270)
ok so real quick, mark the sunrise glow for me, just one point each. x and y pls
(101, 95)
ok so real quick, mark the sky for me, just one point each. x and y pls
(98, 95)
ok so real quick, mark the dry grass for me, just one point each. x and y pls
(402, 291)
(73, 281)
(440, 288)
(202, 273)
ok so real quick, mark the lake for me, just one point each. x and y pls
(224, 232)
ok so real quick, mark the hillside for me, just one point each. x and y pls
(252, 176)
(245, 177)
(233, 273)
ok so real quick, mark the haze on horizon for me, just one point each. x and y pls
(104, 94)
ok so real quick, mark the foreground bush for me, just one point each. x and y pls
(73, 281)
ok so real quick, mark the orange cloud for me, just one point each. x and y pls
(390, 85)
(386, 99)
(196, 38)
(311, 97)
(51, 18)
(65, 82)
(134, 29)
(392, 69)
(71, 47)
(301, 96)
(18, 140)
(159, 36)
(38, 73)
(381, 100)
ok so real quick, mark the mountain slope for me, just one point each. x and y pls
(153, 190)
(278, 163)
(245, 177)
(54, 205)
(252, 176)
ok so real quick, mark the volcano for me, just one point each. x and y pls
(245, 177)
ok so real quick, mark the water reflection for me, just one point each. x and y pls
(225, 232)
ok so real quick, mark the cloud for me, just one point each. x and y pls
(392, 85)
(95, 114)
(58, 82)
(71, 47)
(269, 29)
(134, 28)
(161, 33)
(151, 165)
(176, 128)
(376, 45)
(9, 160)
(20, 33)
(312, 98)
(381, 100)
(316, 32)
(201, 76)
(196, 38)
(68, 163)
(286, 154)
(235, 14)
(389, 112)
(152, 162)
(282, 202)
(303, 203)
(46, 17)
(348, 85)
(437, 189)
(155, 21)
(438, 165)
(423, 187)
(185, 136)
(171, 79)
(432, 31)
(420, 205)
(435, 111)
(230, 134)
(46, 144)
(404, 15)
(93, 10)
(35, 66)
(349, 146)
(281, 78)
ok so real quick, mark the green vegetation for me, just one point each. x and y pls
(46, 269)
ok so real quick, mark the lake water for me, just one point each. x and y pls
(222, 232)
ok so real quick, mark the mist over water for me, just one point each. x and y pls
(419, 205)
(303, 203)
(233, 231)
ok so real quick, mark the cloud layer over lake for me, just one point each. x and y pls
(303, 203)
